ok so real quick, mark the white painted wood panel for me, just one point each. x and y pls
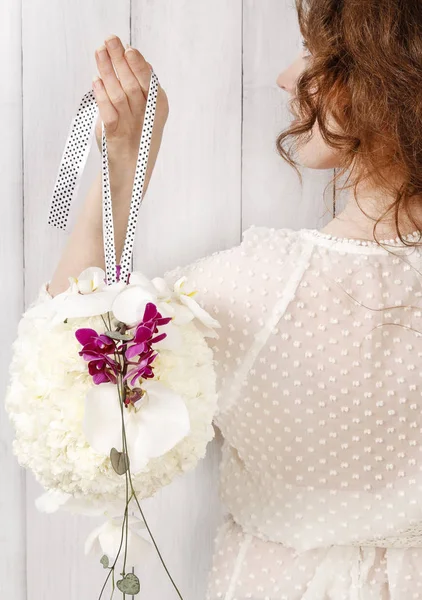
(271, 190)
(59, 40)
(12, 496)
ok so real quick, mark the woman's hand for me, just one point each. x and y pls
(121, 100)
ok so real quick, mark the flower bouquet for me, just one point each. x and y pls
(112, 387)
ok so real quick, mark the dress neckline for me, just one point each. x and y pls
(414, 236)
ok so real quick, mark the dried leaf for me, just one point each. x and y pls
(104, 561)
(129, 584)
(119, 461)
(116, 335)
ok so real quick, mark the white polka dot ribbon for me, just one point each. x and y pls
(72, 164)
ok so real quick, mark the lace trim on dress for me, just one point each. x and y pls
(410, 537)
(414, 236)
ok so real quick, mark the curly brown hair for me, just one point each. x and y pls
(365, 71)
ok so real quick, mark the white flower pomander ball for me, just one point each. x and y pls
(50, 386)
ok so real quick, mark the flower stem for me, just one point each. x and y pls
(111, 571)
(128, 476)
(134, 495)
(153, 540)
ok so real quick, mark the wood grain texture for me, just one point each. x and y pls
(12, 497)
(271, 190)
(59, 64)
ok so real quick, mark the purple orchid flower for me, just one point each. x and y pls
(94, 343)
(96, 350)
(142, 368)
(103, 370)
(143, 337)
(153, 317)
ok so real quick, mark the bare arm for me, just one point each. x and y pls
(121, 103)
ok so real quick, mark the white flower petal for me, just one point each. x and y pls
(199, 312)
(129, 305)
(85, 286)
(186, 298)
(73, 285)
(92, 543)
(162, 288)
(102, 418)
(173, 339)
(51, 501)
(179, 285)
(84, 305)
(166, 309)
(161, 422)
(138, 278)
(95, 276)
(138, 456)
(90, 280)
(206, 331)
(136, 524)
(109, 537)
(179, 313)
(139, 549)
(182, 314)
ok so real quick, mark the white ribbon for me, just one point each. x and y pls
(72, 164)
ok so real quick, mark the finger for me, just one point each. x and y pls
(108, 113)
(127, 79)
(112, 85)
(140, 68)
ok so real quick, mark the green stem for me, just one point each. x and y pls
(121, 398)
(111, 571)
(134, 495)
(121, 393)
(153, 540)
(145, 521)
(112, 585)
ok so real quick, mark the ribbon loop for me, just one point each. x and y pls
(72, 164)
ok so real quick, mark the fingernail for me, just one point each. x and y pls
(97, 83)
(129, 50)
(112, 41)
(102, 52)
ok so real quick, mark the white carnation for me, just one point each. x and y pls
(45, 400)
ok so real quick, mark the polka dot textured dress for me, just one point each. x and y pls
(319, 366)
(319, 374)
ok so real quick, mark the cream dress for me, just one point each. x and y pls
(320, 407)
(319, 366)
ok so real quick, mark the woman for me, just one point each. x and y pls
(318, 360)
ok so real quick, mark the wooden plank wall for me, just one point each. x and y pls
(217, 173)
(13, 490)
